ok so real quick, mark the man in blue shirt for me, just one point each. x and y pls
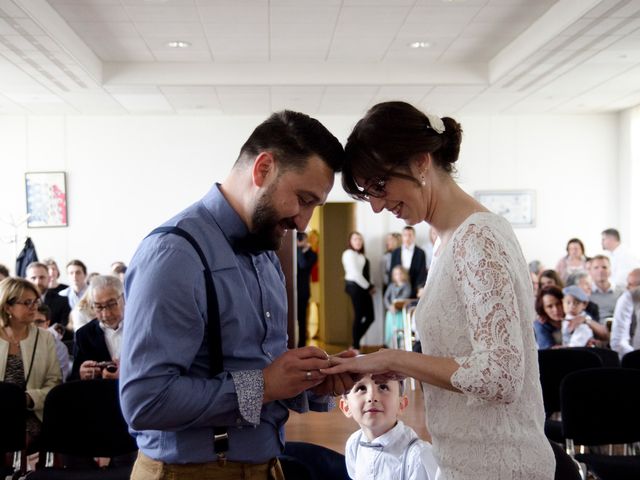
(284, 170)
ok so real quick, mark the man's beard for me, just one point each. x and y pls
(265, 222)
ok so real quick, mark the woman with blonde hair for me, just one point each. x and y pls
(27, 353)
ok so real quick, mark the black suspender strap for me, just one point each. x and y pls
(214, 335)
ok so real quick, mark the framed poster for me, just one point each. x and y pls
(46, 199)
(517, 206)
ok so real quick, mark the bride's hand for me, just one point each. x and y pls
(372, 363)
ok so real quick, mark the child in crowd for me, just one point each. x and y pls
(574, 302)
(384, 447)
(398, 289)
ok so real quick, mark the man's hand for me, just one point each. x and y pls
(294, 372)
(112, 375)
(89, 370)
(339, 383)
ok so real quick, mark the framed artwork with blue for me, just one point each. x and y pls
(46, 199)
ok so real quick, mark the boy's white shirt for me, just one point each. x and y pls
(384, 461)
(580, 335)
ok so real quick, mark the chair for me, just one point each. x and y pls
(609, 357)
(306, 461)
(601, 407)
(13, 406)
(83, 420)
(631, 360)
(554, 365)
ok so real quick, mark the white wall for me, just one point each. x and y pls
(125, 175)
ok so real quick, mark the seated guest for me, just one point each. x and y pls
(77, 273)
(82, 313)
(54, 275)
(575, 333)
(625, 336)
(42, 319)
(38, 273)
(603, 292)
(97, 346)
(550, 278)
(548, 325)
(27, 353)
(119, 269)
(582, 280)
(4, 272)
(575, 259)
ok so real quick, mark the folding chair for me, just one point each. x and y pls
(631, 360)
(307, 461)
(13, 433)
(601, 407)
(554, 365)
(608, 357)
(83, 420)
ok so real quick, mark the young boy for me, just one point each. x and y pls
(574, 303)
(384, 447)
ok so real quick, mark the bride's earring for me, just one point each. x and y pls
(422, 180)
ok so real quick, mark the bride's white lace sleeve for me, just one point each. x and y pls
(494, 370)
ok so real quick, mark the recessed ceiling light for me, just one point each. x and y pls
(178, 44)
(420, 44)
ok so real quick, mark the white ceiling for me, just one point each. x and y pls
(318, 56)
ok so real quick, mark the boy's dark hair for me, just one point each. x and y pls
(292, 137)
(45, 310)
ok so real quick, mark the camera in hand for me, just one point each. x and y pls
(109, 366)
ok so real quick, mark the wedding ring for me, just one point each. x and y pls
(307, 375)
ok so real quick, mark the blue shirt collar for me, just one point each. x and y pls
(230, 223)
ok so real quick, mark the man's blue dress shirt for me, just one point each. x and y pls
(167, 397)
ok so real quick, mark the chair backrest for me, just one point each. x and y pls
(609, 358)
(631, 360)
(13, 406)
(601, 406)
(321, 462)
(84, 418)
(554, 365)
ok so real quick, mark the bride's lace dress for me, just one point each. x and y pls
(478, 309)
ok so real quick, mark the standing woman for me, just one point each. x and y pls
(479, 365)
(27, 353)
(358, 286)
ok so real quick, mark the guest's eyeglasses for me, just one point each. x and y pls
(35, 303)
(101, 307)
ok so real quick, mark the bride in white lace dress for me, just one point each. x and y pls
(479, 363)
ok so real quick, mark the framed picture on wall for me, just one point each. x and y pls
(517, 206)
(46, 199)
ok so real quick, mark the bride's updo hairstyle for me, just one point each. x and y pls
(390, 136)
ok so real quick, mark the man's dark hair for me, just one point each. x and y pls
(4, 271)
(78, 263)
(409, 227)
(45, 310)
(292, 137)
(612, 232)
(301, 236)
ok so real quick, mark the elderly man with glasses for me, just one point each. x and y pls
(97, 346)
